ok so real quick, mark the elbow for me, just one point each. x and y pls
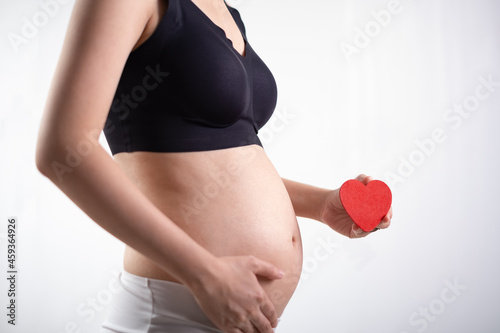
(51, 160)
(59, 153)
(42, 159)
(45, 147)
(57, 158)
(42, 166)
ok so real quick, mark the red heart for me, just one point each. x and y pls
(366, 205)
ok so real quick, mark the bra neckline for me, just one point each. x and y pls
(222, 31)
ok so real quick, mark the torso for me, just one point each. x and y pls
(232, 201)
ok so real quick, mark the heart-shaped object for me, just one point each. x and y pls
(366, 205)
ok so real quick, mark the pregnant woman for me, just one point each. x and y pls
(211, 234)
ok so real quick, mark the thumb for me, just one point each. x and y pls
(266, 269)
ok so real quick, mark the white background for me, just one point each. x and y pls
(341, 115)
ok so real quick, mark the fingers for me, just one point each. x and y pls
(243, 306)
(267, 314)
(364, 178)
(384, 224)
(264, 318)
(265, 269)
(389, 214)
(357, 232)
(386, 221)
(361, 177)
(260, 320)
(267, 309)
(261, 323)
(246, 327)
(237, 330)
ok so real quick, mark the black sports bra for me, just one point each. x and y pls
(187, 89)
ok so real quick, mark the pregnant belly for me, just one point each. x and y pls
(231, 201)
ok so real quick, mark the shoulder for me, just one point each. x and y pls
(99, 38)
(116, 8)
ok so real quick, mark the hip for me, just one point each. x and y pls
(146, 305)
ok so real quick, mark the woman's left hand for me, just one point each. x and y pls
(334, 215)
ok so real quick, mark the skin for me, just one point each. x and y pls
(241, 253)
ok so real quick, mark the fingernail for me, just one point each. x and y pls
(281, 273)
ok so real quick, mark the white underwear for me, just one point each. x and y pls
(155, 306)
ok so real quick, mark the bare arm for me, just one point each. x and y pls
(307, 200)
(100, 36)
(83, 85)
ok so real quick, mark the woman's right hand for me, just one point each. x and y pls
(232, 297)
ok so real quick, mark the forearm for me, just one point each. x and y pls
(307, 200)
(100, 188)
